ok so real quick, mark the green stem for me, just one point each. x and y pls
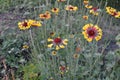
(33, 43)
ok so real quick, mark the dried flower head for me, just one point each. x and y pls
(76, 55)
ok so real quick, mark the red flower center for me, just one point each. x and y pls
(52, 33)
(115, 13)
(55, 9)
(62, 68)
(94, 9)
(71, 7)
(61, 0)
(57, 40)
(25, 24)
(44, 15)
(91, 32)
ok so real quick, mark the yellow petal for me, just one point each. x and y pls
(97, 38)
(91, 11)
(57, 47)
(62, 46)
(75, 8)
(50, 45)
(89, 39)
(66, 40)
(85, 27)
(49, 40)
(96, 13)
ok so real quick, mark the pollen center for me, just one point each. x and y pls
(95, 9)
(115, 13)
(25, 24)
(57, 40)
(71, 8)
(62, 68)
(91, 33)
(44, 15)
(55, 9)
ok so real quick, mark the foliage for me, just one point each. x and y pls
(58, 42)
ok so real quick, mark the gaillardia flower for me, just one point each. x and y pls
(63, 69)
(61, 0)
(35, 23)
(25, 46)
(55, 10)
(58, 43)
(85, 17)
(110, 10)
(94, 11)
(91, 32)
(71, 8)
(113, 12)
(85, 2)
(24, 25)
(52, 34)
(46, 15)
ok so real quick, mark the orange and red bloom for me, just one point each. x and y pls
(113, 12)
(92, 32)
(85, 2)
(71, 8)
(85, 17)
(26, 24)
(52, 34)
(46, 15)
(95, 11)
(55, 10)
(57, 43)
